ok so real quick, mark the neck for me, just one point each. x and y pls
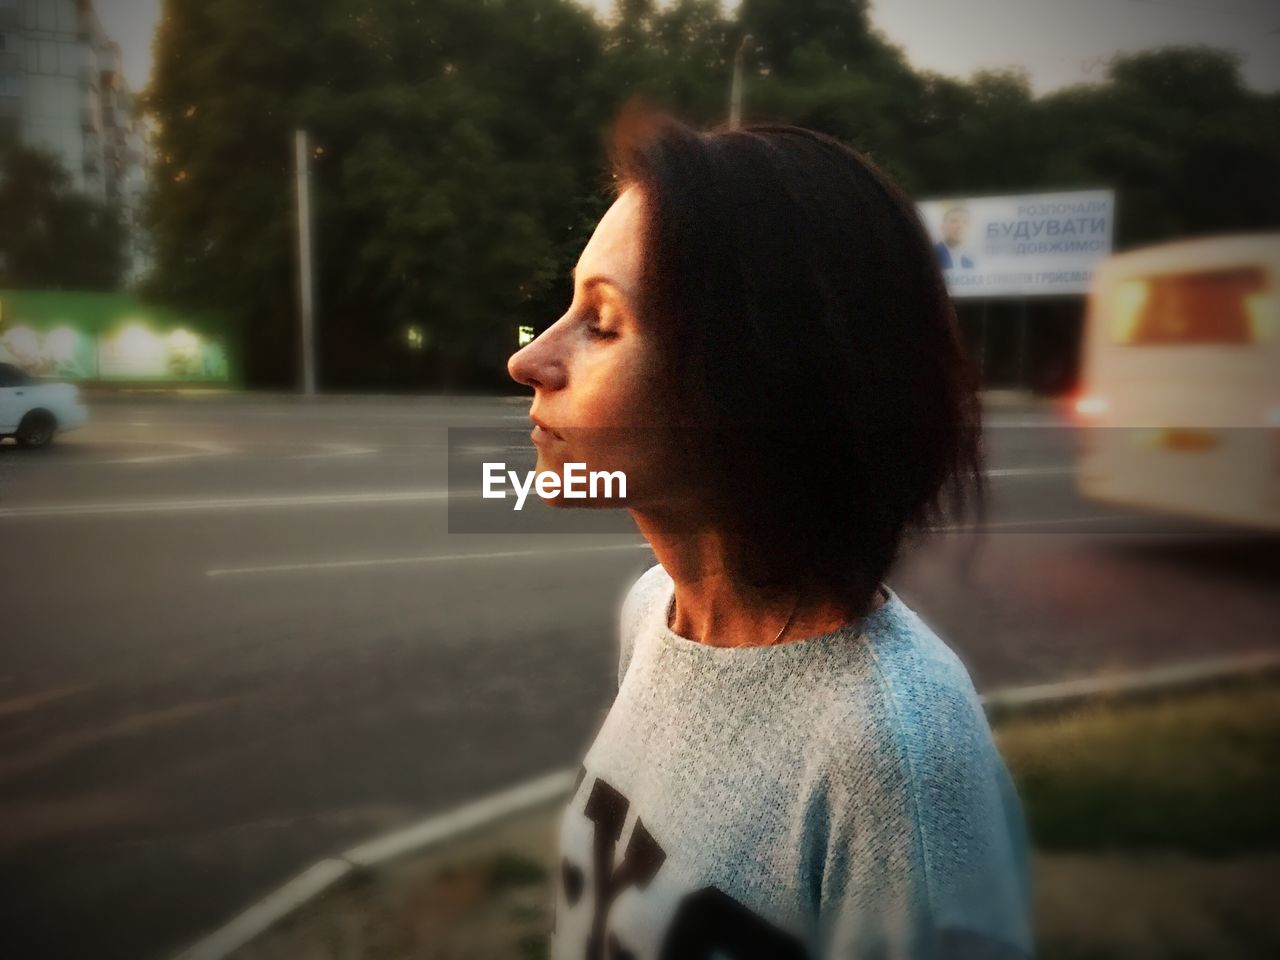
(712, 608)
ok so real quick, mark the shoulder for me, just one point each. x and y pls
(919, 781)
(923, 686)
(650, 590)
(911, 718)
(924, 712)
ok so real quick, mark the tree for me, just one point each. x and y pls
(454, 148)
(1190, 149)
(459, 151)
(678, 56)
(819, 64)
(790, 30)
(51, 235)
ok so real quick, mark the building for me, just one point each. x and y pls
(62, 89)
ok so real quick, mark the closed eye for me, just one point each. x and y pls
(597, 330)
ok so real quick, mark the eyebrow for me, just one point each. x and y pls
(590, 282)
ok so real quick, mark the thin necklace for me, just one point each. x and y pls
(791, 616)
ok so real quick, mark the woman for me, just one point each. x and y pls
(795, 765)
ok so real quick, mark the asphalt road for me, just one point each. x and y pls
(238, 636)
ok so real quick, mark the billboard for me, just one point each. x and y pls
(1038, 244)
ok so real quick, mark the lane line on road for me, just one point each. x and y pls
(197, 450)
(1029, 423)
(1003, 472)
(373, 562)
(1045, 522)
(336, 450)
(213, 504)
(351, 498)
(34, 701)
(415, 560)
(201, 448)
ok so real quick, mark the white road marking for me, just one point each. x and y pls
(214, 504)
(360, 498)
(1030, 472)
(417, 560)
(336, 450)
(1045, 522)
(199, 449)
(1029, 423)
(372, 562)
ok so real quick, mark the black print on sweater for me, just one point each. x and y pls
(607, 809)
(707, 924)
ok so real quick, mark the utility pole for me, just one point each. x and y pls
(1022, 344)
(982, 344)
(735, 88)
(306, 320)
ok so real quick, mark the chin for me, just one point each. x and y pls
(546, 464)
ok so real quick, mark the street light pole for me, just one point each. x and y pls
(306, 307)
(735, 88)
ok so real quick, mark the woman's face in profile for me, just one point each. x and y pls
(594, 372)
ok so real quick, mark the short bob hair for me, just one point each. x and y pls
(808, 332)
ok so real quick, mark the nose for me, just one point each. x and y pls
(538, 365)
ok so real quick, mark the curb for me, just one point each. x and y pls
(1133, 685)
(434, 831)
(323, 876)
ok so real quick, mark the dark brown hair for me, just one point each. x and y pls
(810, 335)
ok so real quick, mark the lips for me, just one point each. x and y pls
(540, 427)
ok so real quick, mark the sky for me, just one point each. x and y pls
(1059, 42)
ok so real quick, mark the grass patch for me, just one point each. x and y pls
(1155, 906)
(1151, 821)
(510, 870)
(1197, 772)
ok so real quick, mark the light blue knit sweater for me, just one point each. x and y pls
(838, 796)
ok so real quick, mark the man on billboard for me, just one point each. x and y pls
(955, 229)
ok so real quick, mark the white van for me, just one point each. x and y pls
(1180, 381)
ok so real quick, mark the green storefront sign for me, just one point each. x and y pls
(109, 336)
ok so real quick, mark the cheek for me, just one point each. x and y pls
(617, 415)
(615, 386)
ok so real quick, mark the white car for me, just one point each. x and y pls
(32, 411)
